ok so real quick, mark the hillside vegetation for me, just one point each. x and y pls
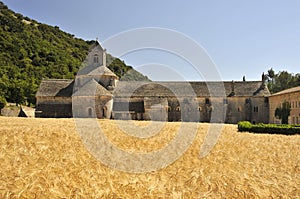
(31, 51)
(45, 158)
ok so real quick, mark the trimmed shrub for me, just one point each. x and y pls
(284, 129)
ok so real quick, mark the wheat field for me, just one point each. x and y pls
(45, 158)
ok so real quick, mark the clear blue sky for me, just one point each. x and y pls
(242, 37)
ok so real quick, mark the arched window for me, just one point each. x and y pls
(104, 112)
(90, 112)
(178, 108)
(200, 108)
(207, 101)
(169, 109)
(96, 59)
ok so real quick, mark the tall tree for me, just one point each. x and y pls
(282, 80)
(283, 112)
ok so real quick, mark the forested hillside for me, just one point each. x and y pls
(31, 51)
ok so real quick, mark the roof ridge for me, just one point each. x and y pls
(288, 90)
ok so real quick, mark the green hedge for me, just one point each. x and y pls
(284, 129)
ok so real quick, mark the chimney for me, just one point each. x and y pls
(263, 80)
(232, 93)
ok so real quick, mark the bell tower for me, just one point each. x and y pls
(97, 55)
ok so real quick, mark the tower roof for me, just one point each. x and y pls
(95, 44)
(102, 70)
(92, 88)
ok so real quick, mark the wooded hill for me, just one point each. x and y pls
(31, 51)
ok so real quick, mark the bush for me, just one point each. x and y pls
(284, 129)
(2, 102)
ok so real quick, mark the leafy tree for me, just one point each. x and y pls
(282, 80)
(2, 102)
(283, 112)
(271, 76)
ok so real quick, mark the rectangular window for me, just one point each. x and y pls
(294, 120)
(96, 59)
(266, 100)
(255, 109)
(225, 101)
(207, 101)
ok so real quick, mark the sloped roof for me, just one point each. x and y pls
(28, 111)
(290, 90)
(94, 45)
(64, 88)
(93, 70)
(92, 88)
(200, 89)
(102, 70)
(55, 88)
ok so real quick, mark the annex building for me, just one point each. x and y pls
(97, 92)
(292, 96)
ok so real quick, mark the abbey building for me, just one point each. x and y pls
(97, 92)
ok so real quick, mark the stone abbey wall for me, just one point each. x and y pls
(227, 110)
(57, 107)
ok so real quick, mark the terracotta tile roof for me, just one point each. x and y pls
(290, 90)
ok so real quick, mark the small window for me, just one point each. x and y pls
(169, 109)
(96, 59)
(255, 109)
(200, 108)
(90, 111)
(207, 101)
(294, 120)
(247, 101)
(266, 100)
(238, 109)
(225, 101)
(104, 112)
(178, 108)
